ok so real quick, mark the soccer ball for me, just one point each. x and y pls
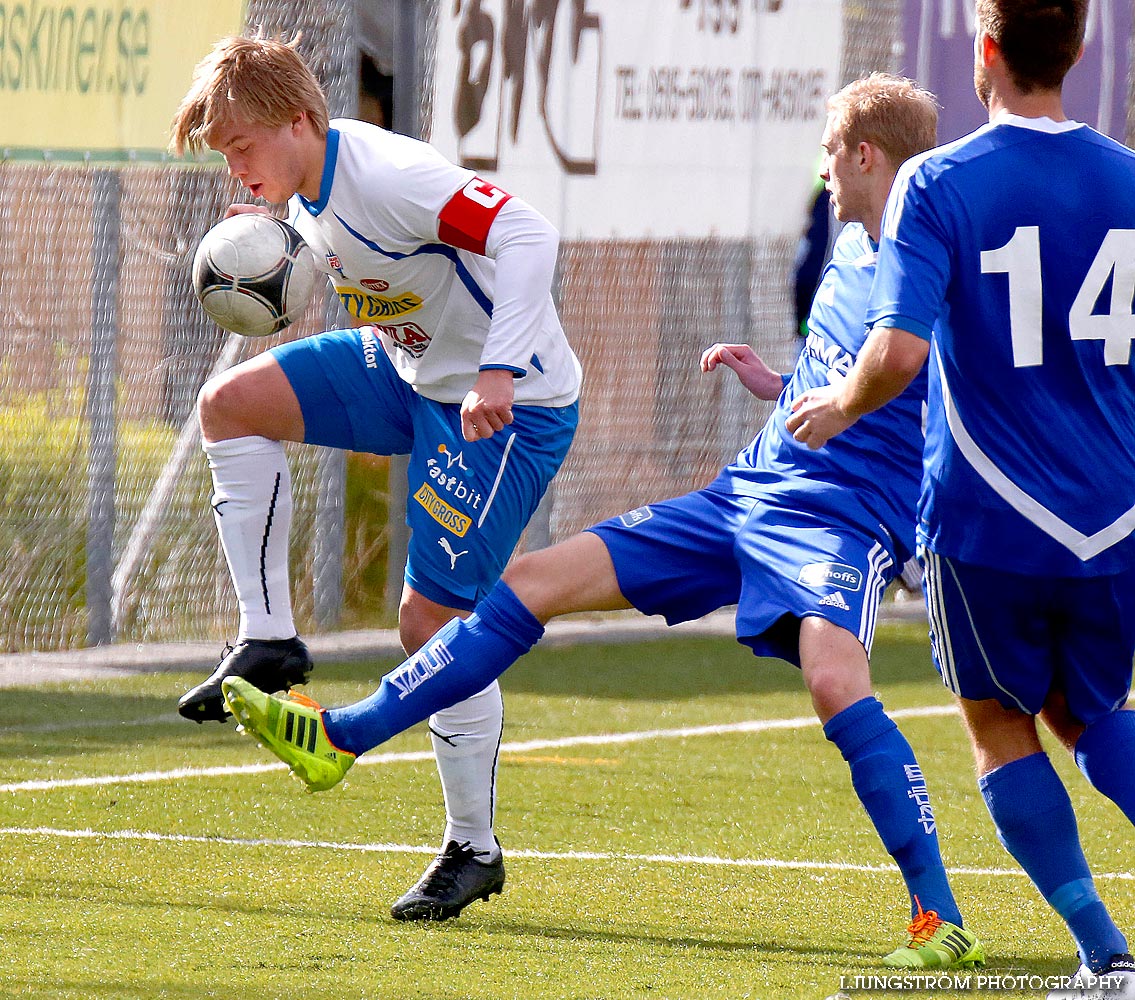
(253, 274)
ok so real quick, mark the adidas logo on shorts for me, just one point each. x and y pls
(835, 600)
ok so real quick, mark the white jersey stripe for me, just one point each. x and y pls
(476, 292)
(878, 562)
(884, 563)
(1083, 546)
(977, 638)
(497, 481)
(989, 669)
(943, 650)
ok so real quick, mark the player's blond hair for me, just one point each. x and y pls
(259, 80)
(890, 112)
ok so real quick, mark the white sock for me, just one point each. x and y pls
(252, 506)
(466, 740)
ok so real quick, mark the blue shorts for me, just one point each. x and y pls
(468, 501)
(685, 557)
(995, 634)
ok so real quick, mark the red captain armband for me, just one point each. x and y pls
(467, 216)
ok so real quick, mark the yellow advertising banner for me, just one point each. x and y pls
(102, 78)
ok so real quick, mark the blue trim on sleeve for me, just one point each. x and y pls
(442, 249)
(919, 329)
(518, 372)
(785, 379)
(330, 158)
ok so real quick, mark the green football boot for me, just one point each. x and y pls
(937, 944)
(292, 728)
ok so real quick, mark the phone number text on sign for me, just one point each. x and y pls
(721, 93)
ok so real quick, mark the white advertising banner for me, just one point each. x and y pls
(641, 119)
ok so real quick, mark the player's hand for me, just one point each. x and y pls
(487, 407)
(754, 374)
(245, 210)
(818, 416)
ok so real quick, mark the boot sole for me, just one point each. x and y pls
(438, 912)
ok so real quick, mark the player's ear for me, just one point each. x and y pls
(987, 49)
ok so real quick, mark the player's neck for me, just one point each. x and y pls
(873, 224)
(1038, 104)
(314, 157)
(873, 215)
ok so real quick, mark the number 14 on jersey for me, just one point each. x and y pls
(1115, 259)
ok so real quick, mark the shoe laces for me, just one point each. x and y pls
(443, 873)
(305, 700)
(455, 854)
(225, 653)
(923, 926)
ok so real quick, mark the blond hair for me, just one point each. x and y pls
(257, 80)
(890, 112)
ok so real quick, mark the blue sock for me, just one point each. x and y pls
(889, 783)
(460, 660)
(1104, 753)
(1035, 823)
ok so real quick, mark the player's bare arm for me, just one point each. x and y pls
(754, 374)
(487, 407)
(888, 363)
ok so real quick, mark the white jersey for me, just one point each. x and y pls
(451, 273)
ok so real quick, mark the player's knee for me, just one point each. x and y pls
(410, 633)
(835, 686)
(835, 667)
(826, 687)
(535, 582)
(219, 408)
(418, 620)
(523, 572)
(210, 397)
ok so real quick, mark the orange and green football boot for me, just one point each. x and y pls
(937, 944)
(292, 728)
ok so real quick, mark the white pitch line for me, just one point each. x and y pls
(82, 725)
(597, 856)
(752, 726)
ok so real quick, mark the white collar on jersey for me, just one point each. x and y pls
(1004, 117)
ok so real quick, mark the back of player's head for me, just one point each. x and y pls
(1039, 39)
(259, 80)
(890, 112)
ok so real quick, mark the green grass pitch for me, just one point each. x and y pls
(145, 857)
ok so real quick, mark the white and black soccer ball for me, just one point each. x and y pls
(253, 274)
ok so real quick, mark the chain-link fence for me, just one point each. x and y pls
(105, 524)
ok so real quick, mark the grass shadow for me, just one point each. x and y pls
(111, 715)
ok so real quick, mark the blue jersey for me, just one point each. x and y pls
(1016, 244)
(869, 475)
